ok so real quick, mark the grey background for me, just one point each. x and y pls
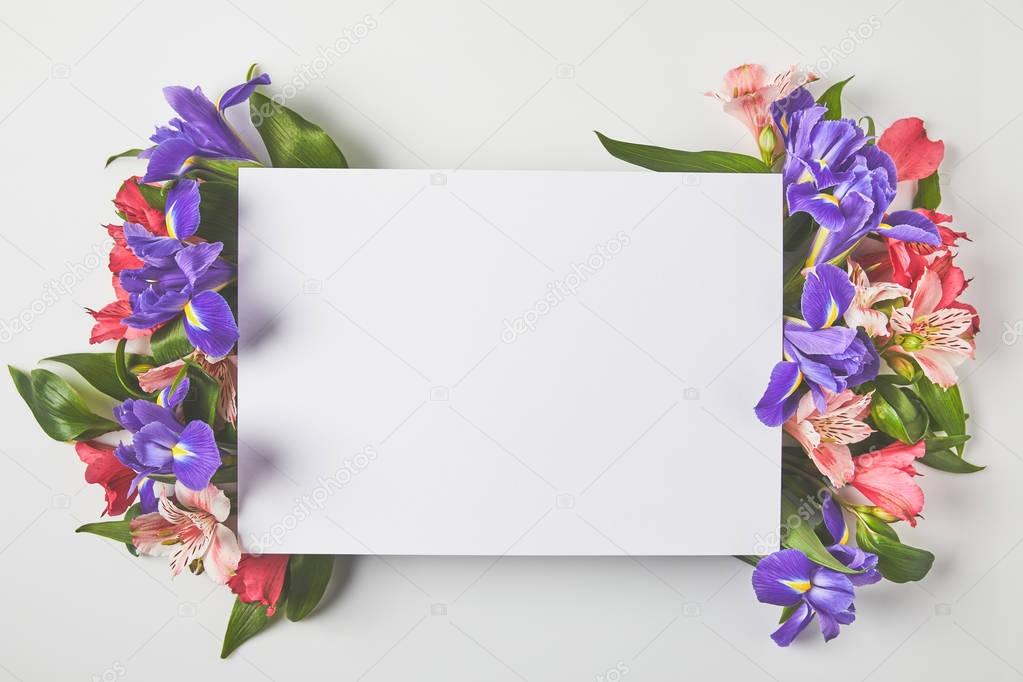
(495, 84)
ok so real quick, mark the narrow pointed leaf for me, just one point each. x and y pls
(946, 460)
(832, 99)
(126, 154)
(677, 161)
(114, 530)
(247, 620)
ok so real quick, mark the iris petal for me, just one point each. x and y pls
(196, 456)
(775, 575)
(210, 325)
(793, 625)
(182, 217)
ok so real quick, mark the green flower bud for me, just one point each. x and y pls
(911, 342)
(902, 366)
(766, 139)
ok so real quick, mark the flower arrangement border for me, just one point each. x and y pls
(873, 329)
(865, 390)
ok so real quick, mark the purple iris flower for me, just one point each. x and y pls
(178, 277)
(844, 183)
(788, 578)
(817, 352)
(200, 130)
(853, 557)
(161, 444)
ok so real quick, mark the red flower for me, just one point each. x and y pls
(915, 155)
(103, 468)
(885, 477)
(260, 578)
(130, 202)
(121, 257)
(909, 260)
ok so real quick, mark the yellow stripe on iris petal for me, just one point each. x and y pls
(818, 244)
(832, 314)
(181, 452)
(170, 221)
(800, 586)
(795, 384)
(193, 318)
(828, 197)
(845, 536)
(884, 226)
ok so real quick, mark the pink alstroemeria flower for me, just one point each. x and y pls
(826, 437)
(937, 338)
(160, 377)
(190, 529)
(860, 312)
(885, 477)
(224, 371)
(748, 96)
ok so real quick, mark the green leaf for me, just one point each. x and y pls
(155, 195)
(897, 562)
(797, 235)
(128, 382)
(58, 408)
(99, 370)
(928, 193)
(676, 161)
(946, 460)
(832, 99)
(169, 342)
(308, 575)
(129, 515)
(246, 621)
(871, 128)
(798, 533)
(207, 168)
(876, 526)
(126, 154)
(115, 530)
(218, 210)
(201, 402)
(902, 563)
(944, 405)
(938, 443)
(896, 411)
(292, 141)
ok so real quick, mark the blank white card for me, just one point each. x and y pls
(507, 362)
